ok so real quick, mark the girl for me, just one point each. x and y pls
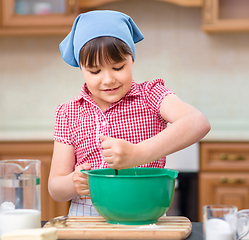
(114, 122)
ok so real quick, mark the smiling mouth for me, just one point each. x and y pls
(111, 89)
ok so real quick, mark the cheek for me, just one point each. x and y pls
(127, 75)
(91, 86)
(128, 81)
(89, 80)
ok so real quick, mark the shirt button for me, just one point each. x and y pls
(103, 124)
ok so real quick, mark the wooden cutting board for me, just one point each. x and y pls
(97, 228)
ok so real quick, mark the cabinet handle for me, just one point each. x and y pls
(232, 157)
(71, 4)
(232, 180)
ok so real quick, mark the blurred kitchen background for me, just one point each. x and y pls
(206, 68)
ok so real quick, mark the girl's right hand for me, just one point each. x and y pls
(81, 180)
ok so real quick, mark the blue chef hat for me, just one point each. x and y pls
(98, 24)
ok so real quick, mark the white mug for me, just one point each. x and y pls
(224, 222)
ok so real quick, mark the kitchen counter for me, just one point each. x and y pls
(196, 234)
(227, 136)
(26, 135)
(197, 231)
(228, 130)
(47, 135)
(221, 130)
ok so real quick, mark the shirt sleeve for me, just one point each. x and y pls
(155, 92)
(61, 128)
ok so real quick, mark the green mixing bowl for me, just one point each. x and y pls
(135, 196)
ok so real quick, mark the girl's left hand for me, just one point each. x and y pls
(119, 153)
(80, 179)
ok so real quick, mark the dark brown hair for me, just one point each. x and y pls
(103, 49)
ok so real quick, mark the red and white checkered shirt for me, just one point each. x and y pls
(134, 118)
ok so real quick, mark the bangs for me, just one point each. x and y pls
(103, 50)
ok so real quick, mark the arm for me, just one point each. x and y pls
(188, 125)
(64, 181)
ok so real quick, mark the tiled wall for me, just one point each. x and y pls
(209, 71)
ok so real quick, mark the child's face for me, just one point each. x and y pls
(109, 82)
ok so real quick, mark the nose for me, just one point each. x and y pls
(108, 78)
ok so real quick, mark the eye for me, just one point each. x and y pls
(118, 69)
(94, 72)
